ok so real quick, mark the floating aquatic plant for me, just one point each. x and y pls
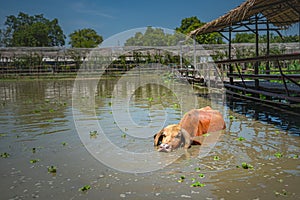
(175, 106)
(52, 169)
(197, 184)
(34, 161)
(197, 169)
(201, 175)
(216, 158)
(36, 111)
(84, 188)
(278, 155)
(181, 179)
(123, 135)
(282, 193)
(246, 166)
(240, 139)
(93, 134)
(4, 155)
(231, 117)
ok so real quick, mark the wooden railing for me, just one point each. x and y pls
(274, 78)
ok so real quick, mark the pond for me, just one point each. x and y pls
(52, 131)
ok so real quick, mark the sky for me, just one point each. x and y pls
(111, 17)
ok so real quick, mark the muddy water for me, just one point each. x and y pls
(38, 131)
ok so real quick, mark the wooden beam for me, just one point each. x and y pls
(258, 92)
(295, 56)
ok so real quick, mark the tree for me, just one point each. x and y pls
(85, 38)
(250, 38)
(31, 31)
(154, 37)
(191, 23)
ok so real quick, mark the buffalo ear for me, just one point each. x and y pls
(158, 138)
(187, 138)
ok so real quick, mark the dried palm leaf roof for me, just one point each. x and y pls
(281, 13)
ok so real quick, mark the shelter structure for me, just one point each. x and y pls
(264, 77)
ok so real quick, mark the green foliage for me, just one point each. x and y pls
(85, 38)
(250, 38)
(154, 37)
(192, 23)
(31, 31)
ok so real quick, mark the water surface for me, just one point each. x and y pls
(37, 124)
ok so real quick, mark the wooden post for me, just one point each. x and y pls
(195, 58)
(257, 52)
(229, 57)
(268, 48)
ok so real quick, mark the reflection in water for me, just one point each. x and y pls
(38, 115)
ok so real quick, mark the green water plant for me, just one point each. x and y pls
(197, 169)
(201, 175)
(240, 139)
(246, 166)
(278, 155)
(231, 117)
(4, 155)
(84, 188)
(34, 161)
(283, 192)
(197, 184)
(52, 169)
(181, 179)
(64, 143)
(150, 99)
(93, 134)
(216, 158)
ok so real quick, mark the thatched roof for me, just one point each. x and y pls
(281, 13)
